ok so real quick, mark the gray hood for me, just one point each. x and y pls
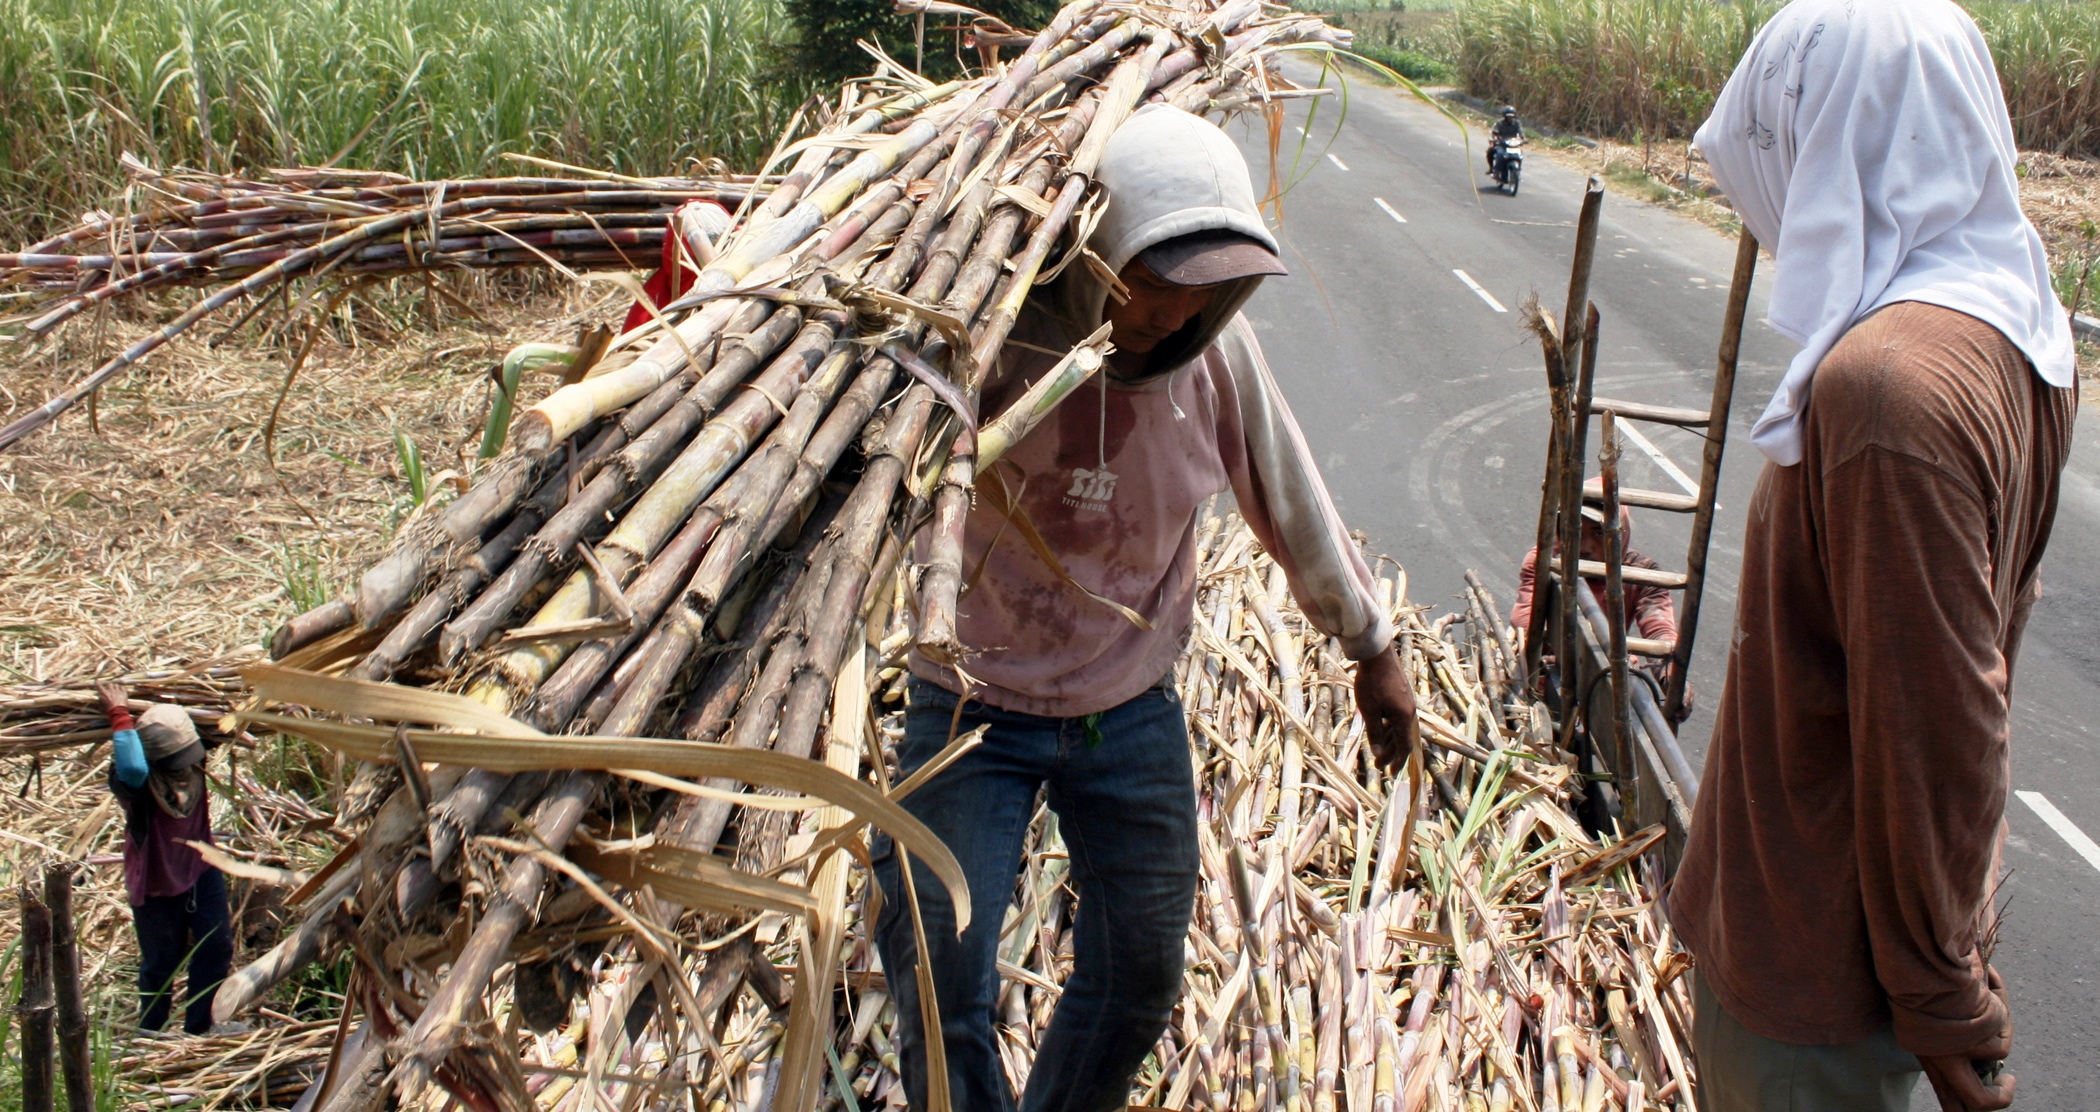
(1167, 173)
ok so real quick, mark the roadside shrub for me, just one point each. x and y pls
(1413, 65)
(1627, 68)
(826, 32)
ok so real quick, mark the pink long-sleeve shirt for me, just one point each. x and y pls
(1113, 481)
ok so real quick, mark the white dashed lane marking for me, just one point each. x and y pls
(2064, 827)
(1661, 460)
(1389, 210)
(1338, 163)
(1476, 288)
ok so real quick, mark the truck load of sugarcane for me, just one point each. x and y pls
(852, 648)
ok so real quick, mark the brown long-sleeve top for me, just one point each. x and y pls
(1852, 797)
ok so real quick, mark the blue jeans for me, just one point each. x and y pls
(1126, 805)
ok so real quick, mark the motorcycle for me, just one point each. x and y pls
(1509, 163)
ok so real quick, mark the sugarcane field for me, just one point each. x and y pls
(826, 555)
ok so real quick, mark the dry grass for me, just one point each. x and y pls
(161, 533)
(58, 805)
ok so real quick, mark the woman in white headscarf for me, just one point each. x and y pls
(1835, 878)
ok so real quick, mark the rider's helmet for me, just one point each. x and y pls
(1509, 110)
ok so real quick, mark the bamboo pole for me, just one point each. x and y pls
(1615, 596)
(1717, 415)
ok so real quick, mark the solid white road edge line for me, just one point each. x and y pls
(2064, 827)
(1338, 163)
(1662, 461)
(1389, 210)
(1476, 288)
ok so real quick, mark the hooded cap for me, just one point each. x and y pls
(170, 738)
(1168, 174)
(1889, 115)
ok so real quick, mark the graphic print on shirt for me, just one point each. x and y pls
(1092, 489)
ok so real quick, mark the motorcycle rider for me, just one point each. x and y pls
(1506, 128)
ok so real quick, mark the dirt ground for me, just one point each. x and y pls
(156, 529)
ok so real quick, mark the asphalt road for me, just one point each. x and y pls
(1398, 341)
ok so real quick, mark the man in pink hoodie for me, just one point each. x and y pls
(1076, 696)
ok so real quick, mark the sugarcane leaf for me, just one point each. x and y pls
(275, 683)
(1612, 856)
(510, 752)
(694, 880)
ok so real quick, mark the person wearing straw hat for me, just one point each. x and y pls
(178, 901)
(1082, 550)
(1835, 888)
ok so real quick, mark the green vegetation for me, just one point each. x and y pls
(1412, 39)
(2048, 55)
(1414, 65)
(2077, 264)
(826, 32)
(1628, 68)
(422, 87)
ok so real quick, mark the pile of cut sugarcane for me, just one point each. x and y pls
(691, 541)
(37, 717)
(1451, 938)
(1446, 938)
(197, 229)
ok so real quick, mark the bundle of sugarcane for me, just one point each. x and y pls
(60, 714)
(197, 229)
(1356, 942)
(688, 542)
(257, 240)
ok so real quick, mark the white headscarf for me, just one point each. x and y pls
(1888, 115)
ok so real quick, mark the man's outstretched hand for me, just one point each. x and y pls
(1958, 1079)
(1386, 698)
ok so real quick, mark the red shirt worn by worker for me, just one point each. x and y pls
(1649, 611)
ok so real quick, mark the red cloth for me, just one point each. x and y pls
(1649, 611)
(674, 273)
(156, 862)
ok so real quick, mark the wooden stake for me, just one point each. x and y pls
(33, 1009)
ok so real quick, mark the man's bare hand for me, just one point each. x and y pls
(1386, 698)
(1961, 1081)
(113, 695)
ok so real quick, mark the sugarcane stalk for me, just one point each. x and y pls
(445, 1017)
(636, 464)
(992, 106)
(656, 587)
(390, 582)
(34, 1009)
(701, 821)
(714, 699)
(559, 415)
